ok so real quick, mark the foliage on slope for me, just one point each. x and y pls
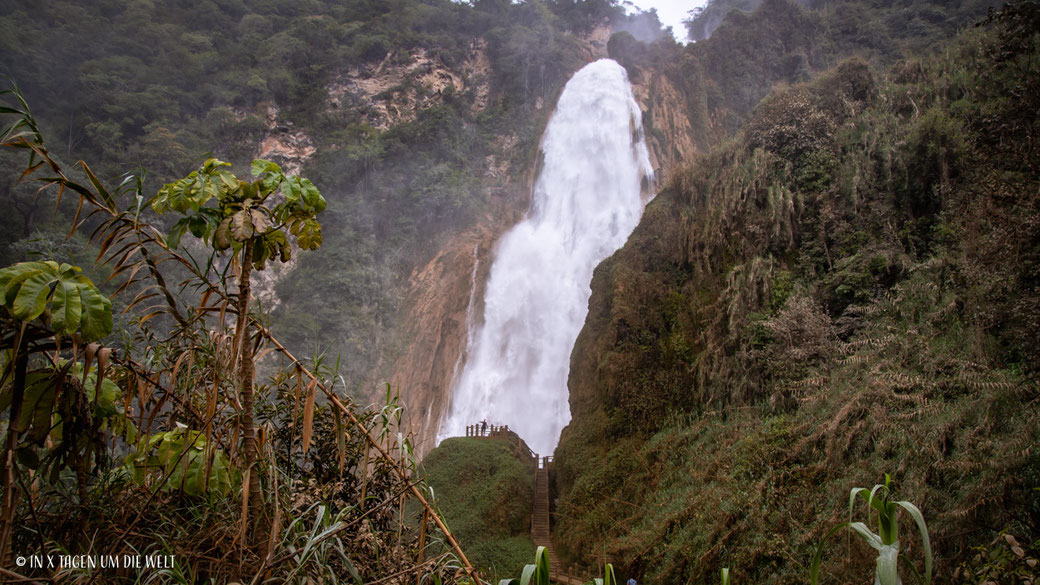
(486, 494)
(846, 288)
(759, 44)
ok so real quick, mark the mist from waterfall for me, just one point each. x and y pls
(587, 199)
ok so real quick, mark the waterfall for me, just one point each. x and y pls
(587, 199)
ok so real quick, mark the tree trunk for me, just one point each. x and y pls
(9, 495)
(245, 374)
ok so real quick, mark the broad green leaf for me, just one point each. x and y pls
(37, 405)
(261, 166)
(180, 455)
(41, 413)
(220, 475)
(309, 235)
(67, 308)
(525, 576)
(96, 316)
(12, 277)
(194, 473)
(312, 197)
(915, 513)
(229, 180)
(291, 189)
(260, 253)
(173, 238)
(198, 225)
(177, 196)
(33, 296)
(105, 402)
(541, 561)
(277, 243)
(249, 191)
(37, 379)
(213, 164)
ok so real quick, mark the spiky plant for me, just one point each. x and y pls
(533, 574)
(886, 540)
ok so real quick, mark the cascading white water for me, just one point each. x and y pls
(586, 202)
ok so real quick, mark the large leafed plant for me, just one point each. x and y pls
(253, 220)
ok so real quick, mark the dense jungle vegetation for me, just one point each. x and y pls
(846, 287)
(844, 283)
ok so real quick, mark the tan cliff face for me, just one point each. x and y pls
(405, 83)
(667, 129)
(438, 315)
(445, 298)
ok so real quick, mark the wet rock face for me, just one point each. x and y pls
(669, 134)
(438, 310)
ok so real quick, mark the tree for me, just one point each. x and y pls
(250, 219)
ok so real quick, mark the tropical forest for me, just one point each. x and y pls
(520, 292)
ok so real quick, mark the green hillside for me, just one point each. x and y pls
(846, 288)
(840, 281)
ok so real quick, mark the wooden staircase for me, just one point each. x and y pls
(540, 516)
(540, 526)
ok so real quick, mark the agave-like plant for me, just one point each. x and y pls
(886, 541)
(608, 576)
(533, 574)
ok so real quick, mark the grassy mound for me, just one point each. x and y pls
(486, 494)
